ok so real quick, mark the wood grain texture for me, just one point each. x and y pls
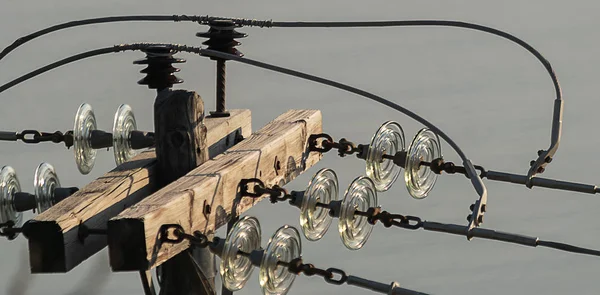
(134, 234)
(180, 147)
(53, 235)
(180, 134)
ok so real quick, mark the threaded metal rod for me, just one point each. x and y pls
(221, 84)
(221, 80)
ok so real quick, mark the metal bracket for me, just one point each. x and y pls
(481, 204)
(545, 157)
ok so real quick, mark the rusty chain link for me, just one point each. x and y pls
(323, 143)
(373, 214)
(296, 266)
(197, 239)
(438, 166)
(388, 219)
(276, 193)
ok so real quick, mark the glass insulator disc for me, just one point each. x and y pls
(9, 185)
(355, 229)
(44, 183)
(284, 245)
(323, 188)
(235, 269)
(85, 123)
(389, 139)
(123, 125)
(419, 179)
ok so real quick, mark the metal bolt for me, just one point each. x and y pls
(206, 208)
(469, 217)
(541, 170)
(531, 163)
(548, 159)
(277, 165)
(483, 208)
(540, 152)
(480, 219)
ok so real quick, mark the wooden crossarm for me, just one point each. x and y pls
(54, 244)
(276, 154)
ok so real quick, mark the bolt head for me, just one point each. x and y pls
(469, 217)
(483, 208)
(541, 170)
(480, 219)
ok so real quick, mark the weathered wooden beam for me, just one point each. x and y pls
(181, 146)
(204, 198)
(54, 244)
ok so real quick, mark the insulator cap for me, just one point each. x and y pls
(159, 73)
(221, 37)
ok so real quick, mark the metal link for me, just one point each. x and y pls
(164, 233)
(388, 219)
(313, 143)
(244, 186)
(438, 166)
(34, 136)
(276, 193)
(411, 222)
(197, 239)
(296, 266)
(344, 147)
(331, 278)
(279, 194)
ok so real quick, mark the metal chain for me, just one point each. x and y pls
(35, 136)
(323, 143)
(276, 193)
(438, 166)
(8, 230)
(388, 219)
(197, 239)
(296, 266)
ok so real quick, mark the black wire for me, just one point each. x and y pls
(268, 23)
(568, 248)
(110, 19)
(57, 64)
(92, 53)
(443, 23)
(197, 50)
(341, 86)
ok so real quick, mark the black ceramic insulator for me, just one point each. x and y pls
(24, 202)
(160, 70)
(141, 139)
(100, 139)
(61, 193)
(400, 159)
(221, 37)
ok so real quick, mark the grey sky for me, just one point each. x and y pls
(452, 77)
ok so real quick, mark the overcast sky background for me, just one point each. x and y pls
(492, 97)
